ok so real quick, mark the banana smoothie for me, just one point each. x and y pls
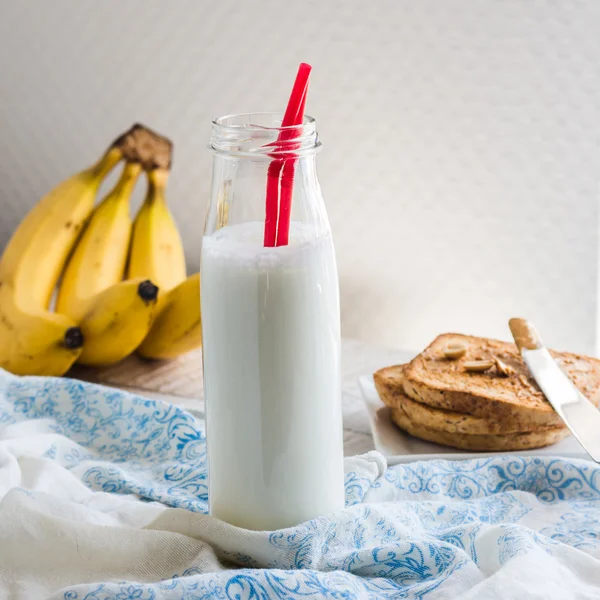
(272, 376)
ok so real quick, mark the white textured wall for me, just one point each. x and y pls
(461, 137)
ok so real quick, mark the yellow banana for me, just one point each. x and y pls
(36, 254)
(35, 344)
(101, 254)
(32, 340)
(156, 248)
(118, 320)
(178, 327)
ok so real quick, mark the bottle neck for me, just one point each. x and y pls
(265, 174)
(259, 136)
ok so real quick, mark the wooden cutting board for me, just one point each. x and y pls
(181, 377)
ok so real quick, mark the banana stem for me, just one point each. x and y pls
(157, 183)
(105, 165)
(158, 177)
(128, 179)
(141, 144)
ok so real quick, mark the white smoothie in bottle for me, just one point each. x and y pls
(271, 336)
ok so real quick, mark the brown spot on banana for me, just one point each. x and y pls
(6, 322)
(191, 328)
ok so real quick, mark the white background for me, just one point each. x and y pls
(461, 137)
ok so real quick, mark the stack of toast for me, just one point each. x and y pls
(477, 394)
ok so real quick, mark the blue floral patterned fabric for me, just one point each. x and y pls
(103, 494)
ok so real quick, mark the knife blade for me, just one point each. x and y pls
(578, 413)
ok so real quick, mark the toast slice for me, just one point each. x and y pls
(515, 400)
(480, 443)
(438, 418)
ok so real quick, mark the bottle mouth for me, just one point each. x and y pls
(262, 135)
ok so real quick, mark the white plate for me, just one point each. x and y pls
(400, 447)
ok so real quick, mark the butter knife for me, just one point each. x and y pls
(578, 413)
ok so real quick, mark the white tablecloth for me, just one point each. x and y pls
(103, 495)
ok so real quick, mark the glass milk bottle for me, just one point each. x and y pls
(271, 333)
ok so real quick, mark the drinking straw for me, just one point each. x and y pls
(293, 115)
(271, 205)
(287, 185)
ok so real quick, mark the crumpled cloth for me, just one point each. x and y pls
(103, 494)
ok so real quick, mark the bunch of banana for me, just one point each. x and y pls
(114, 315)
(99, 318)
(34, 341)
